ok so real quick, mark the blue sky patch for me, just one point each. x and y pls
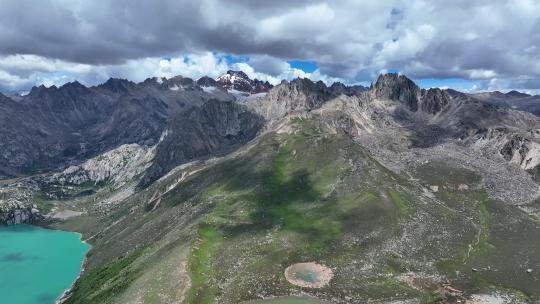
(308, 66)
(454, 83)
(231, 59)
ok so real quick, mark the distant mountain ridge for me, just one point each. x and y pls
(52, 126)
(56, 126)
(513, 99)
(389, 186)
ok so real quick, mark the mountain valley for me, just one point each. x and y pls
(206, 191)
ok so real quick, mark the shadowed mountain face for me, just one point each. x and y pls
(398, 87)
(215, 128)
(52, 126)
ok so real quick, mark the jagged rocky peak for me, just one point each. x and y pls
(237, 74)
(74, 88)
(180, 83)
(434, 100)
(339, 88)
(154, 80)
(40, 91)
(300, 94)
(239, 81)
(235, 80)
(174, 84)
(206, 81)
(71, 89)
(72, 85)
(117, 84)
(180, 80)
(260, 86)
(308, 83)
(399, 88)
(303, 86)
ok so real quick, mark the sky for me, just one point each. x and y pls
(462, 44)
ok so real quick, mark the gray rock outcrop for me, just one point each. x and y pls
(17, 213)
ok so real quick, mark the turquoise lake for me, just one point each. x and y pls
(36, 264)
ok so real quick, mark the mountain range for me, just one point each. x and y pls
(205, 191)
(513, 99)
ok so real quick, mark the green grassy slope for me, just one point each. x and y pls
(310, 196)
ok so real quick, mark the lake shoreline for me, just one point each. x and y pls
(67, 293)
(48, 225)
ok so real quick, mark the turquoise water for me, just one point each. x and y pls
(36, 264)
(307, 275)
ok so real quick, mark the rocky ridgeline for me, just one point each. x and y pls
(433, 115)
(151, 127)
(513, 99)
(400, 88)
(299, 95)
(402, 124)
(55, 126)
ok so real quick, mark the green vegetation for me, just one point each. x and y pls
(290, 194)
(103, 284)
(483, 235)
(495, 230)
(305, 196)
(206, 246)
(43, 203)
(398, 201)
(390, 288)
(287, 192)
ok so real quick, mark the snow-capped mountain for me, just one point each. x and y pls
(239, 81)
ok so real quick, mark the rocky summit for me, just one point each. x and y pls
(239, 81)
(231, 190)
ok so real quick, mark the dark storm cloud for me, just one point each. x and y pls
(108, 32)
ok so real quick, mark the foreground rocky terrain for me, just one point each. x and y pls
(405, 195)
